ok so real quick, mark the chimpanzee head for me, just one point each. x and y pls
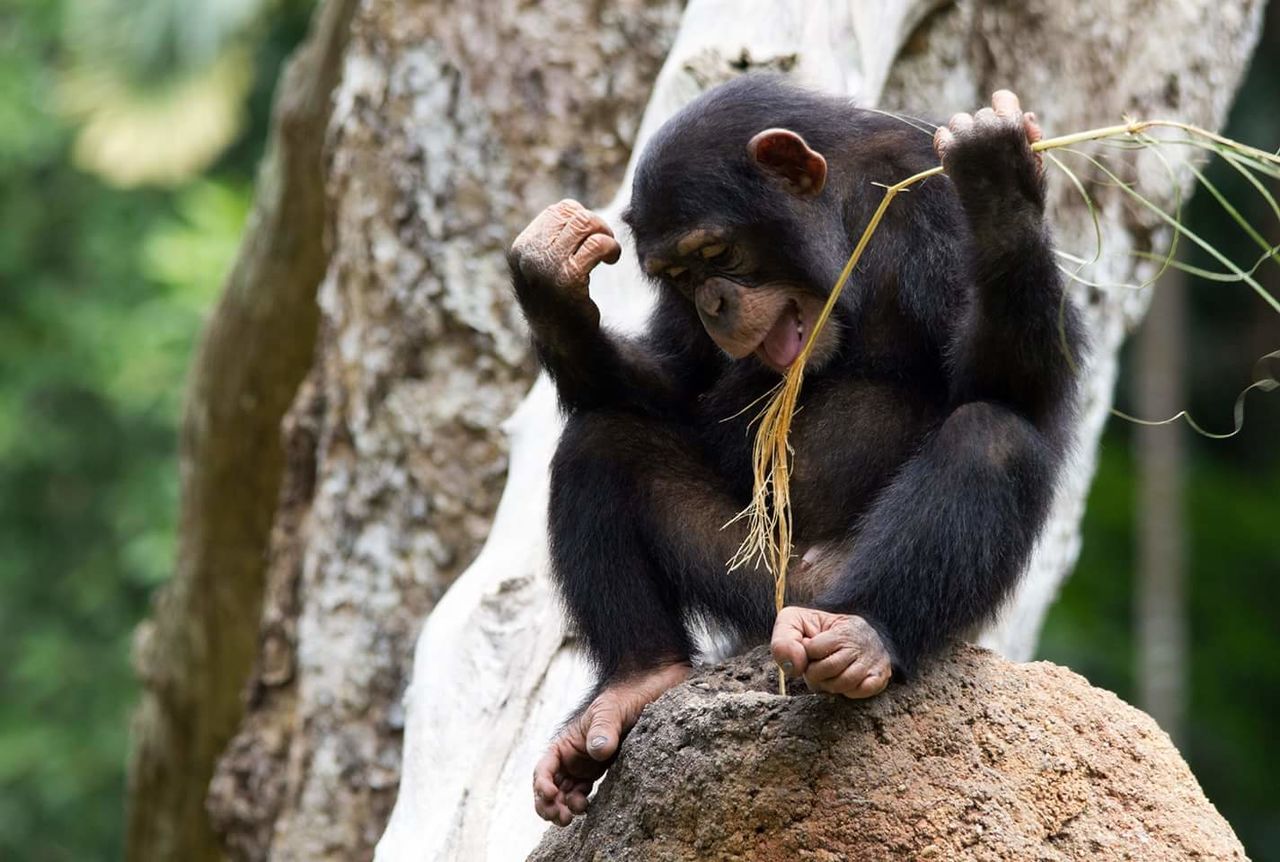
(732, 209)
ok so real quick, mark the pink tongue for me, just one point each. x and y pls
(782, 344)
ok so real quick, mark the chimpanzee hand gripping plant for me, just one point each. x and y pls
(895, 444)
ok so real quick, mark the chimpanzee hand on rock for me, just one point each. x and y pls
(836, 653)
(988, 156)
(559, 248)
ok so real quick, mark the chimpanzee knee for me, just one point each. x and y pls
(989, 441)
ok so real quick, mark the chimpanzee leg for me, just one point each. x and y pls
(637, 544)
(946, 542)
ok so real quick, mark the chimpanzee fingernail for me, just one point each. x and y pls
(599, 742)
(788, 666)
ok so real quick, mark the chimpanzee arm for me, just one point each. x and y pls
(593, 368)
(1021, 340)
(948, 539)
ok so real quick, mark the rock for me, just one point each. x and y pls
(977, 758)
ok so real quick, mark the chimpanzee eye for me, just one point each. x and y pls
(710, 252)
(680, 278)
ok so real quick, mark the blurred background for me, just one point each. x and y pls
(129, 135)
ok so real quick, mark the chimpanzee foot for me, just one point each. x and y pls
(580, 755)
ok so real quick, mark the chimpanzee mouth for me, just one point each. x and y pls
(785, 339)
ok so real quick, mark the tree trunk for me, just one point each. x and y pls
(194, 656)
(497, 634)
(451, 121)
(453, 125)
(1160, 600)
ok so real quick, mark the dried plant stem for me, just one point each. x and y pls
(769, 513)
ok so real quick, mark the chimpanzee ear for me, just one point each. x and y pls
(784, 154)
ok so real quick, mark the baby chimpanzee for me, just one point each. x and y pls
(935, 413)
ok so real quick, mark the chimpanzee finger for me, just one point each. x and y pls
(595, 249)
(788, 654)
(824, 644)
(576, 802)
(865, 677)
(579, 225)
(860, 681)
(1032, 126)
(591, 226)
(960, 123)
(942, 139)
(1005, 103)
(986, 119)
(787, 642)
(547, 769)
(598, 229)
(553, 221)
(544, 775)
(548, 808)
(830, 667)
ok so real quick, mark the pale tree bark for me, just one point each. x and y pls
(453, 125)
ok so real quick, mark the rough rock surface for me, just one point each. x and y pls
(977, 758)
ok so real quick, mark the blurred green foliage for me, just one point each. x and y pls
(102, 292)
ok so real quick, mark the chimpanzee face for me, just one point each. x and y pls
(748, 303)
(752, 296)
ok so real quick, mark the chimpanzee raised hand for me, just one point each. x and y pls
(935, 413)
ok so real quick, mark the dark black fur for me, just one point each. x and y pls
(934, 438)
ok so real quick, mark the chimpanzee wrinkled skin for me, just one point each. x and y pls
(935, 415)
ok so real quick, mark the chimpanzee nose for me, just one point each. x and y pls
(717, 302)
